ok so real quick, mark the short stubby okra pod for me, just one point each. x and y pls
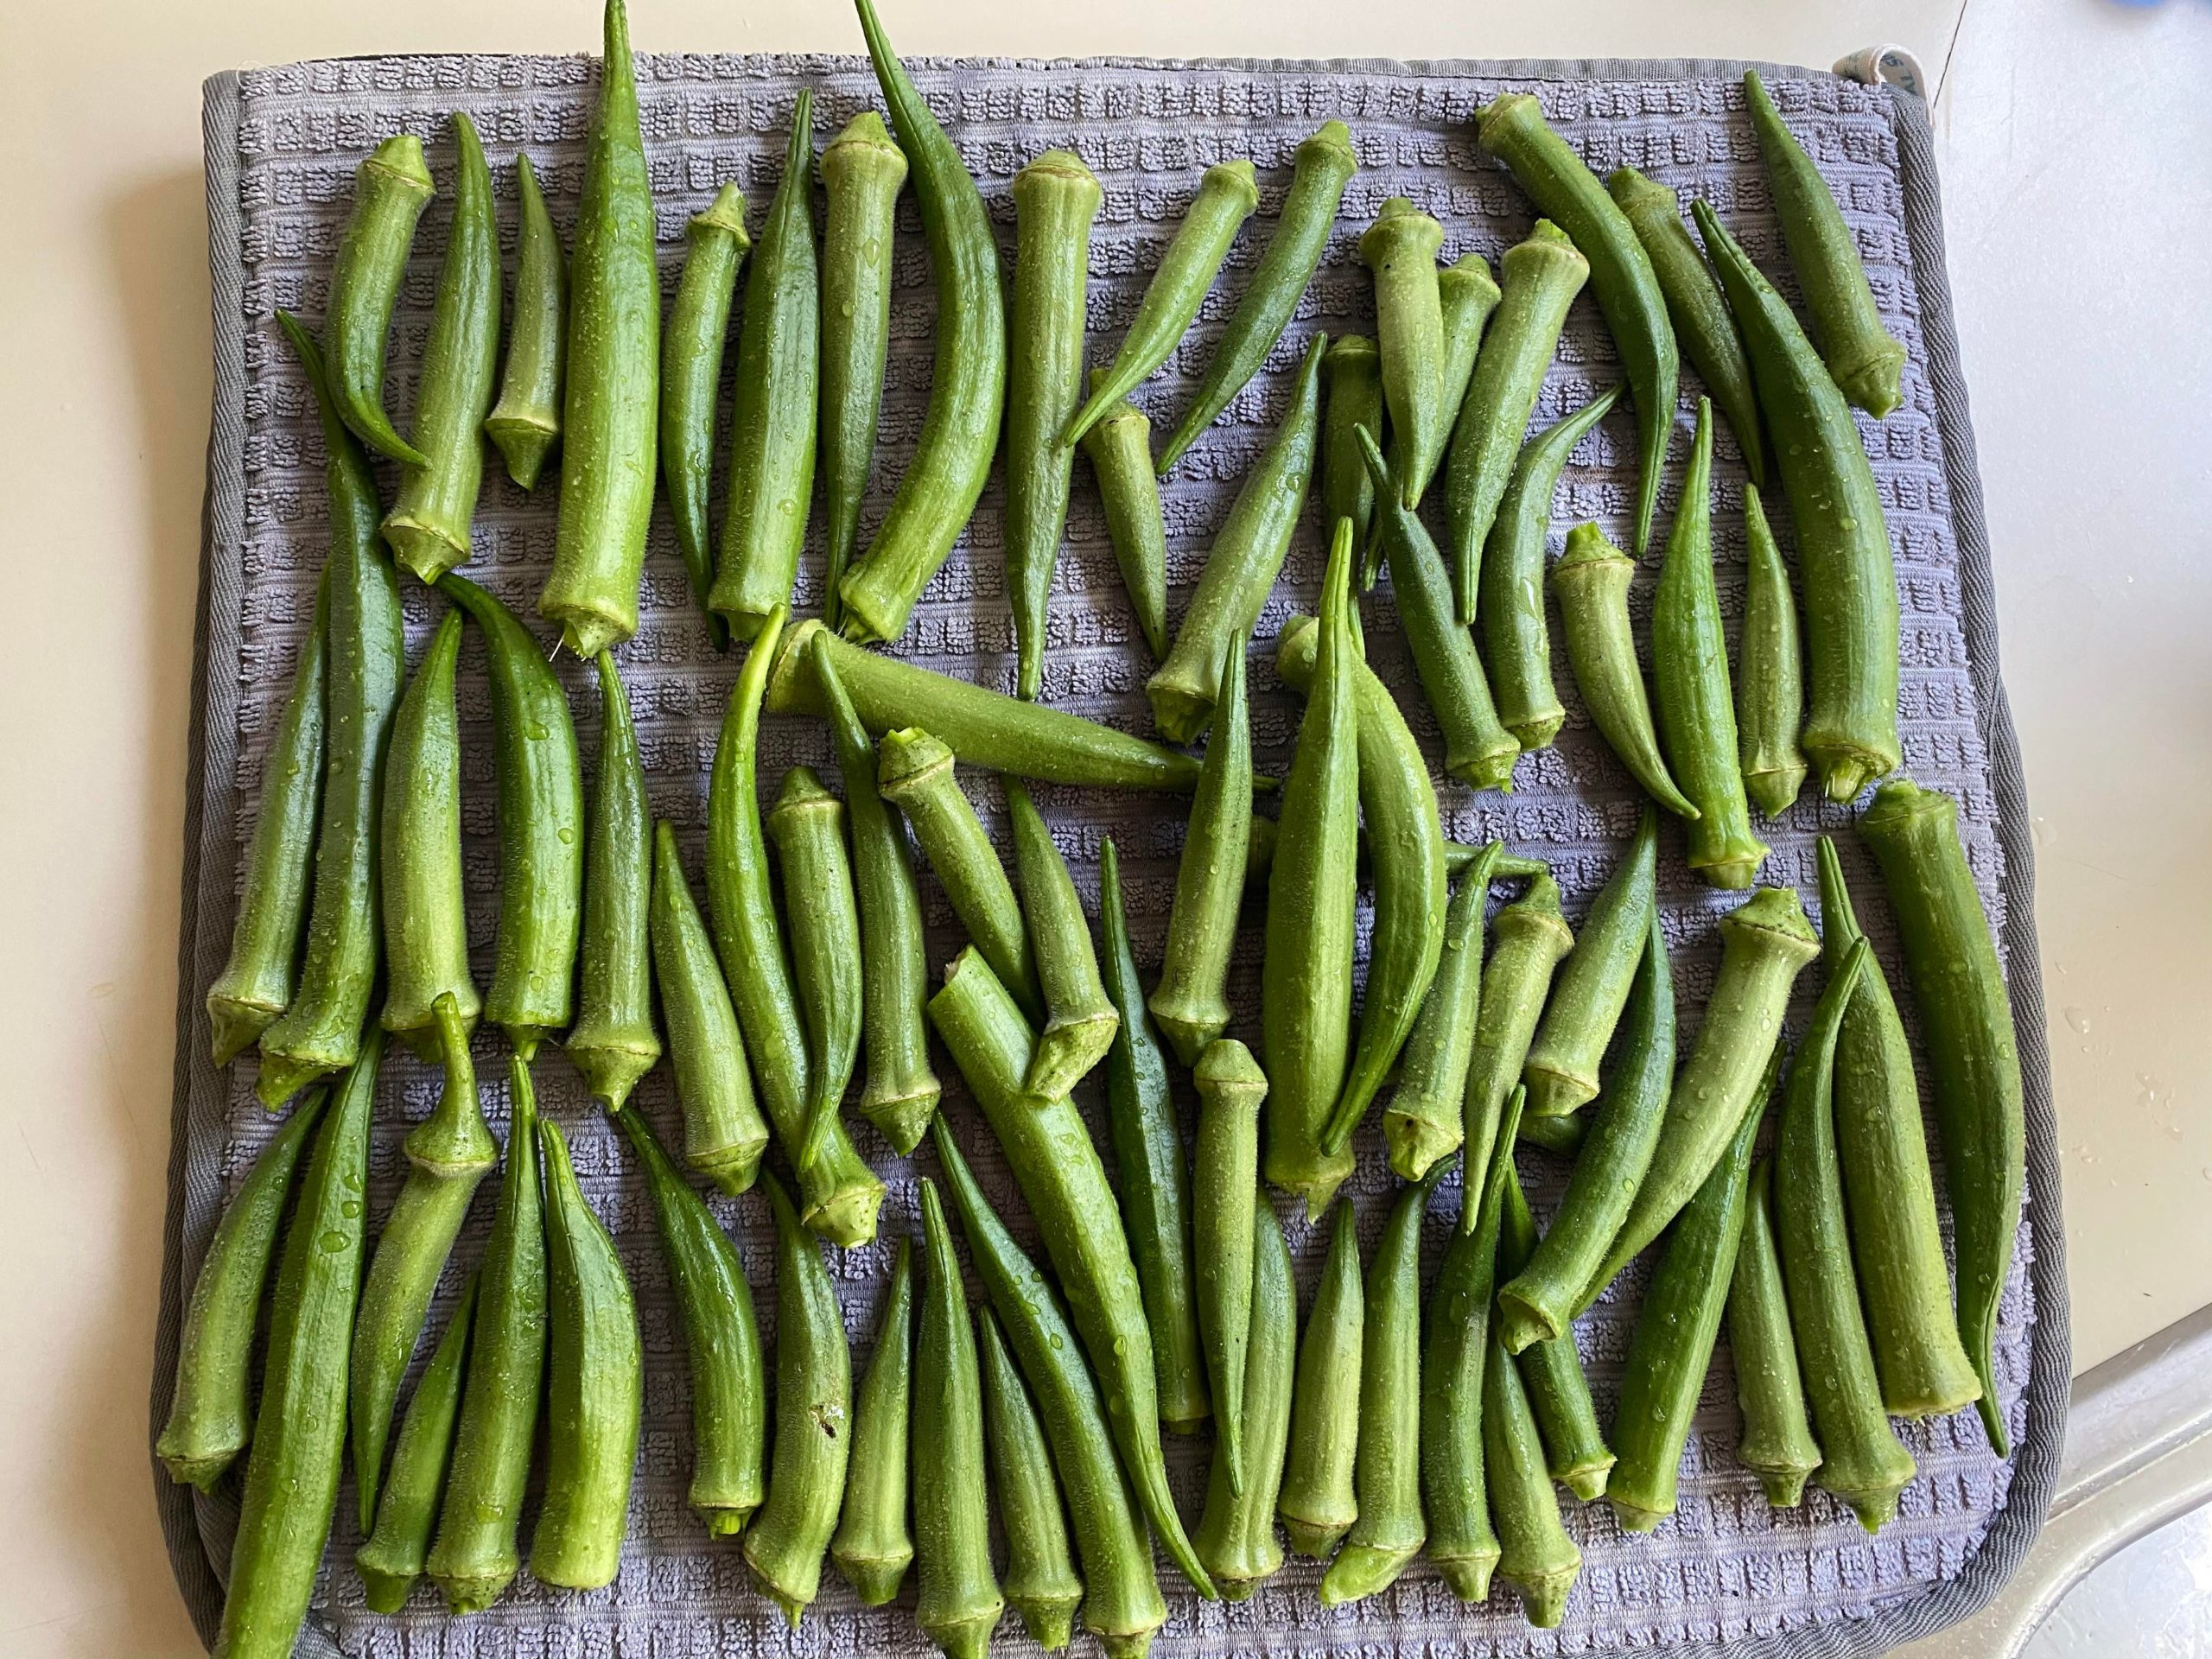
(960, 430)
(391, 1558)
(900, 1093)
(872, 1547)
(429, 525)
(1591, 581)
(539, 781)
(1973, 1055)
(790, 1530)
(1317, 1505)
(1778, 1443)
(723, 1132)
(914, 774)
(1535, 1555)
(1866, 363)
(1515, 635)
(1040, 1581)
(611, 397)
(425, 918)
(1351, 396)
(1241, 565)
(1565, 191)
(1080, 1018)
(771, 423)
(208, 1421)
(1770, 671)
(1150, 1176)
(1120, 448)
(392, 188)
(1224, 1189)
(1227, 194)
(525, 423)
(959, 1605)
(862, 172)
(1425, 1119)
(1843, 542)
(1689, 663)
(691, 345)
(1562, 1136)
(1236, 1536)
(1590, 988)
(612, 1043)
(1575, 1449)
(1531, 939)
(1325, 165)
(1888, 1191)
(1055, 198)
(1192, 1000)
(722, 1342)
(1695, 305)
(822, 916)
(1538, 279)
(982, 728)
(1399, 250)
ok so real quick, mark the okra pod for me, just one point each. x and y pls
(1591, 581)
(691, 345)
(525, 423)
(1192, 1000)
(1080, 1019)
(1424, 1121)
(1777, 1443)
(1590, 988)
(872, 1548)
(391, 1558)
(612, 1043)
(959, 1605)
(1120, 448)
(1551, 1370)
(392, 188)
(1770, 671)
(1399, 250)
(1470, 295)
(1040, 1581)
(1535, 1556)
(1237, 1534)
(807, 823)
(1224, 1189)
(1531, 939)
(1351, 388)
(1317, 1505)
(723, 1133)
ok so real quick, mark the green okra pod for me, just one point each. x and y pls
(1590, 988)
(1317, 1503)
(716, 245)
(1081, 1018)
(723, 1132)
(1351, 397)
(772, 424)
(1562, 1136)
(872, 1548)
(1778, 1443)
(807, 823)
(428, 526)
(525, 423)
(1192, 1000)
(1040, 1581)
(1575, 1449)
(1974, 1054)
(391, 1559)
(392, 188)
(425, 919)
(1531, 939)
(1236, 1536)
(1865, 361)
(1120, 448)
(1535, 1555)
(959, 1605)
(1689, 662)
(1591, 581)
(1055, 198)
(1424, 1121)
(612, 1043)
(1770, 672)
(790, 1530)
(1399, 250)
(1224, 1188)
(611, 397)
(1241, 567)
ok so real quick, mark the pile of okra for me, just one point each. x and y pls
(1388, 1427)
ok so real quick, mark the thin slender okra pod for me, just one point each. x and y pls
(391, 1558)
(612, 1043)
(959, 1603)
(425, 920)
(1530, 940)
(1055, 198)
(1778, 1443)
(1770, 672)
(208, 1421)
(1865, 362)
(1551, 1370)
(1400, 248)
(1591, 581)
(1590, 988)
(690, 379)
(1424, 1121)
(1889, 1193)
(1565, 191)
(784, 1544)
(872, 1548)
(862, 172)
(1317, 1505)
(525, 423)
(729, 1386)
(807, 823)
(1237, 1534)
(319, 1031)
(772, 424)
(723, 1132)
(1974, 1054)
(1120, 448)
(1535, 1555)
(1538, 279)
(541, 844)
(1082, 1019)
(1192, 1000)
(1040, 1581)
(1351, 397)
(392, 188)
(1325, 165)
(299, 1430)
(1224, 1189)
(1153, 1184)
(1241, 567)
(952, 456)
(428, 526)
(1843, 542)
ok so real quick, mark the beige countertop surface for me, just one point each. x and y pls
(2075, 138)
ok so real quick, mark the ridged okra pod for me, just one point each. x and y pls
(392, 188)
(1470, 295)
(1317, 1503)
(1192, 1000)
(1590, 988)
(1425, 1120)
(1040, 1581)
(1224, 1190)
(391, 1558)
(1120, 448)
(807, 823)
(1575, 1449)
(959, 1605)
(612, 1043)
(1530, 940)
(872, 1547)
(1237, 1534)
(691, 345)
(1770, 671)
(1399, 250)
(1535, 1555)
(525, 423)
(1776, 1444)
(1351, 397)
(1591, 581)
(425, 918)
(723, 1132)
(1080, 1019)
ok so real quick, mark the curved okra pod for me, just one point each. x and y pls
(959, 1605)
(1689, 662)
(612, 1043)
(723, 1133)
(1425, 1119)
(611, 402)
(525, 423)
(366, 661)
(207, 1421)
(1317, 1505)
(1400, 248)
(428, 526)
(960, 431)
(790, 1532)
(690, 379)
(1325, 165)
(1227, 195)
(1192, 1000)
(1535, 1555)
(425, 920)
(1565, 191)
(1236, 1536)
(1224, 1189)
(1531, 939)
(1540, 278)
(1778, 1443)
(1082, 1019)
(1511, 606)
(1241, 567)
(772, 424)
(1864, 361)
(1973, 1055)
(1770, 672)
(1551, 1370)
(1055, 198)
(729, 1386)
(1120, 448)
(392, 188)
(1351, 397)
(872, 1548)
(862, 172)
(1040, 1581)
(1590, 988)
(1843, 542)
(391, 1558)
(807, 823)
(1590, 581)
(542, 846)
